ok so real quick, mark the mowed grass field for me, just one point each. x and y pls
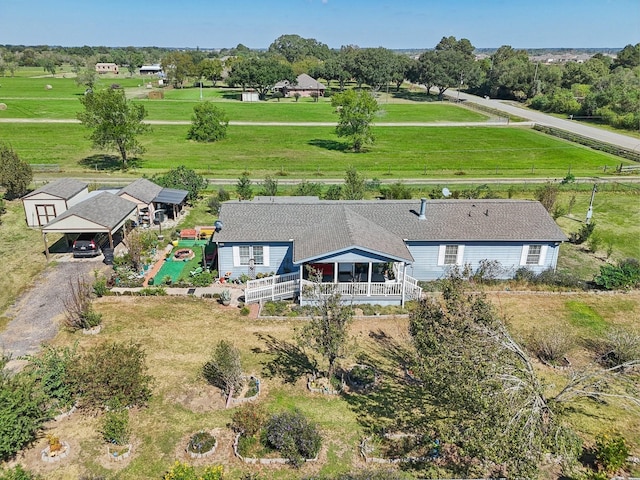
(308, 152)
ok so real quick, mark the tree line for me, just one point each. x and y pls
(602, 88)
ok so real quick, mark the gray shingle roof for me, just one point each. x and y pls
(303, 82)
(320, 226)
(65, 188)
(142, 189)
(104, 209)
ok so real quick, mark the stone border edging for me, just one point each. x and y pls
(44, 454)
(324, 391)
(118, 458)
(66, 414)
(208, 453)
(241, 400)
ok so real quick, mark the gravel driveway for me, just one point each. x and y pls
(32, 315)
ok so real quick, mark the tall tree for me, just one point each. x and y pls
(178, 66)
(356, 110)
(327, 333)
(294, 48)
(628, 57)
(183, 178)
(374, 67)
(15, 174)
(261, 73)
(243, 187)
(211, 69)
(115, 122)
(208, 123)
(354, 185)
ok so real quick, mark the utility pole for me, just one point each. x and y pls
(460, 86)
(590, 211)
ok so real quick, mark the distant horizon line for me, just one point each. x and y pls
(266, 48)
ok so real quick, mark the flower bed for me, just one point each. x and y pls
(320, 384)
(256, 453)
(362, 377)
(55, 453)
(201, 444)
(118, 453)
(250, 392)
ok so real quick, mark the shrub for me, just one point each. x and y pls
(244, 311)
(203, 279)
(611, 451)
(249, 418)
(488, 271)
(112, 372)
(158, 291)
(583, 234)
(293, 436)
(78, 311)
(224, 369)
(214, 203)
(100, 288)
(550, 345)
(184, 471)
(625, 275)
(22, 411)
(49, 371)
(17, 473)
(201, 442)
(619, 345)
(115, 426)
(547, 195)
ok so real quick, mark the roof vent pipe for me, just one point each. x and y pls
(423, 208)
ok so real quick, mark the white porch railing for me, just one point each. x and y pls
(286, 286)
(272, 288)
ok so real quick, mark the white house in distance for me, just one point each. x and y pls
(377, 251)
(51, 200)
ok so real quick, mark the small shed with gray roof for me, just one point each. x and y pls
(51, 200)
(103, 212)
(150, 197)
(364, 246)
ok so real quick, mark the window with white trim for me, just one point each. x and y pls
(533, 254)
(242, 255)
(450, 254)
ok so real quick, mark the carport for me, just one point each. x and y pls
(171, 197)
(100, 213)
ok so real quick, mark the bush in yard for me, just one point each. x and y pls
(18, 473)
(611, 452)
(550, 345)
(203, 279)
(78, 311)
(112, 373)
(249, 418)
(184, 471)
(23, 410)
(624, 275)
(619, 345)
(293, 436)
(224, 369)
(49, 371)
(115, 426)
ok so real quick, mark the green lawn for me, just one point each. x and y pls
(400, 152)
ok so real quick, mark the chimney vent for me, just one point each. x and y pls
(423, 208)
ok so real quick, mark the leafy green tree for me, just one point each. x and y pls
(49, 371)
(336, 68)
(211, 69)
(356, 110)
(23, 411)
(18, 473)
(628, 57)
(334, 192)
(328, 332)
(270, 186)
(208, 123)
(260, 73)
(354, 185)
(87, 77)
(396, 191)
(295, 48)
(115, 122)
(243, 187)
(307, 189)
(224, 370)
(375, 67)
(15, 174)
(178, 66)
(183, 178)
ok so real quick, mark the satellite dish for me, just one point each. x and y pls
(445, 192)
(218, 225)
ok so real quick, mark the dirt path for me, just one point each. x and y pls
(33, 314)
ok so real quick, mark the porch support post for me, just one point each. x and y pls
(335, 272)
(404, 271)
(110, 239)
(300, 280)
(46, 245)
(369, 273)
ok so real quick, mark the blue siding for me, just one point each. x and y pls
(425, 254)
(280, 259)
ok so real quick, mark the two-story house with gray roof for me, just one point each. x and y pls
(377, 251)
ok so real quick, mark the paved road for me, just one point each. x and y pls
(541, 118)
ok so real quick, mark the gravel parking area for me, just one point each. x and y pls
(33, 316)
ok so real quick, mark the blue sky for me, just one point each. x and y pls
(366, 23)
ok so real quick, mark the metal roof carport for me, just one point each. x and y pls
(173, 197)
(102, 213)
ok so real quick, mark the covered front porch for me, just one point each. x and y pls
(380, 283)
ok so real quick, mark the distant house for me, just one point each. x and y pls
(51, 200)
(155, 69)
(107, 68)
(377, 251)
(305, 86)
